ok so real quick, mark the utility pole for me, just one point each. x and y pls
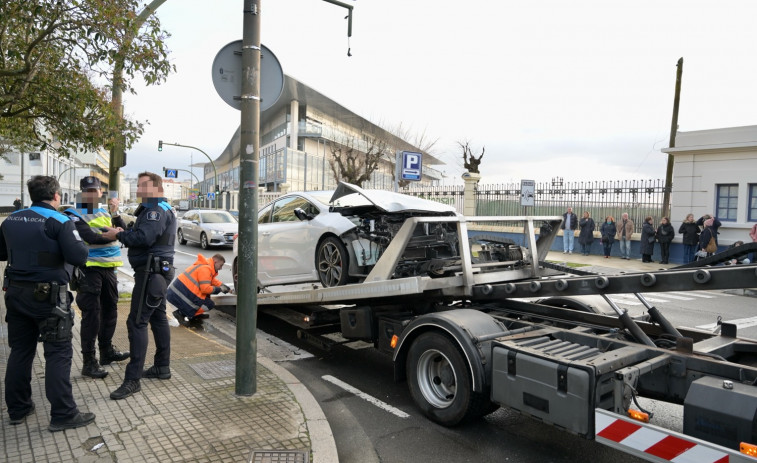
(249, 154)
(672, 144)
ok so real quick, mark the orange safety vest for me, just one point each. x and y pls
(200, 277)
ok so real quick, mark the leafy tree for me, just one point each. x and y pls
(54, 56)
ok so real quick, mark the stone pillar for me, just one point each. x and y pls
(469, 200)
(294, 123)
(284, 188)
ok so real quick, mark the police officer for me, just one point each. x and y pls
(97, 293)
(41, 245)
(150, 244)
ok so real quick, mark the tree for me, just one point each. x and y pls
(53, 56)
(470, 161)
(352, 165)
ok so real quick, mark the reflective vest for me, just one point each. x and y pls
(100, 255)
(200, 278)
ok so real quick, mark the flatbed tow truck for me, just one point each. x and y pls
(501, 327)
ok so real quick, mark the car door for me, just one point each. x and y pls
(191, 226)
(286, 245)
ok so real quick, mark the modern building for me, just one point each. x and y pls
(715, 172)
(300, 132)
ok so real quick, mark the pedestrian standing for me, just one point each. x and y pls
(151, 251)
(690, 236)
(17, 204)
(664, 235)
(41, 246)
(646, 242)
(624, 232)
(715, 225)
(707, 245)
(586, 235)
(753, 235)
(569, 226)
(608, 231)
(97, 293)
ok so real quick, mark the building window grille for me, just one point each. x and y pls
(753, 202)
(727, 202)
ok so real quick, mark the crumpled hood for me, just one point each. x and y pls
(389, 201)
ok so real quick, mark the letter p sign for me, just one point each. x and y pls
(412, 164)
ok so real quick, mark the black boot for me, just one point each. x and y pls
(92, 368)
(111, 354)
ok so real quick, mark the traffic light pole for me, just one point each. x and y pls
(217, 186)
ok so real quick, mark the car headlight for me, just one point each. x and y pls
(216, 232)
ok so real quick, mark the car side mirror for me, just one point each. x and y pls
(196, 222)
(302, 215)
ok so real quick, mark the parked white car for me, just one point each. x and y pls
(337, 236)
(209, 227)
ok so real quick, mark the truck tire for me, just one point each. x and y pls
(181, 237)
(440, 381)
(331, 262)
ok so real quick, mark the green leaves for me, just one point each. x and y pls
(54, 57)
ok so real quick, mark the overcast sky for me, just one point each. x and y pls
(578, 89)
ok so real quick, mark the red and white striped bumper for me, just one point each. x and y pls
(657, 444)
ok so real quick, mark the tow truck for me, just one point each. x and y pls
(501, 326)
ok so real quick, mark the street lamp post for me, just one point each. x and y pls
(160, 147)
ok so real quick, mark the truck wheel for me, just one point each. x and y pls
(204, 241)
(181, 237)
(440, 382)
(331, 261)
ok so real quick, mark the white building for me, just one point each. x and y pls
(17, 168)
(715, 172)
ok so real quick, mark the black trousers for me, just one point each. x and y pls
(665, 252)
(23, 316)
(153, 302)
(97, 299)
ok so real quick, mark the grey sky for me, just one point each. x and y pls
(579, 89)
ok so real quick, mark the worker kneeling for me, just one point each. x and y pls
(190, 291)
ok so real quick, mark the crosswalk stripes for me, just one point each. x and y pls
(630, 299)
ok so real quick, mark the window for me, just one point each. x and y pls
(753, 202)
(727, 201)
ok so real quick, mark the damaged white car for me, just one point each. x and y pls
(336, 237)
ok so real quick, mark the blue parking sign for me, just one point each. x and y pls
(412, 165)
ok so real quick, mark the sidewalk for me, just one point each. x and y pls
(194, 416)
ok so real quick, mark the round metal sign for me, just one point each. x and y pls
(227, 76)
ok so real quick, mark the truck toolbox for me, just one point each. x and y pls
(550, 389)
(357, 323)
(721, 411)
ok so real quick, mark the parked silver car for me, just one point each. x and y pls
(209, 227)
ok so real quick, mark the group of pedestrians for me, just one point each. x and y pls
(700, 237)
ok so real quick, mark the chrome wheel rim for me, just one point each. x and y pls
(330, 265)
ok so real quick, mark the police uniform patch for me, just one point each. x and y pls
(153, 215)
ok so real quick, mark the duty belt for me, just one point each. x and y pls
(27, 284)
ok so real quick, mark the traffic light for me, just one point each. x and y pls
(160, 145)
(217, 189)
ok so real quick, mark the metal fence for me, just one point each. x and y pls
(639, 198)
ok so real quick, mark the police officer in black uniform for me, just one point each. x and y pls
(151, 251)
(41, 245)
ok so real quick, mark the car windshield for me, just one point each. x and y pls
(217, 217)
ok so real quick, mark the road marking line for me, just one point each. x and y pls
(739, 322)
(369, 398)
(695, 294)
(679, 298)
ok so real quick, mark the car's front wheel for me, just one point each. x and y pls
(204, 241)
(182, 240)
(331, 261)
